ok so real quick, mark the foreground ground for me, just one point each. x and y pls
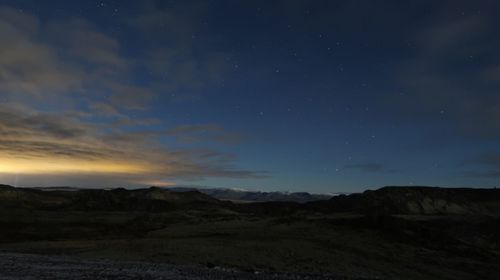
(411, 234)
(352, 246)
(30, 267)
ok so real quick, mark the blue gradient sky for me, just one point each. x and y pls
(319, 96)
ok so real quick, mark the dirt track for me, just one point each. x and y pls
(26, 267)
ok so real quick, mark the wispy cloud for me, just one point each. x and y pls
(371, 167)
(69, 103)
(488, 159)
(487, 166)
(37, 143)
(433, 84)
(492, 174)
(40, 60)
(205, 132)
(29, 66)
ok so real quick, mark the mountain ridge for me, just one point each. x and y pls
(391, 200)
(243, 195)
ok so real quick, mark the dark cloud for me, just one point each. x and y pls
(486, 165)
(203, 133)
(118, 119)
(488, 159)
(29, 66)
(434, 84)
(184, 68)
(130, 96)
(73, 37)
(370, 167)
(44, 58)
(182, 57)
(178, 22)
(22, 121)
(105, 109)
(492, 174)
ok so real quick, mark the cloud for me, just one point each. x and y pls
(492, 174)
(444, 36)
(14, 123)
(130, 96)
(434, 79)
(181, 58)
(44, 63)
(28, 66)
(117, 119)
(44, 59)
(74, 35)
(483, 161)
(204, 132)
(105, 109)
(492, 73)
(183, 68)
(367, 167)
(488, 159)
(370, 167)
(72, 109)
(178, 22)
(35, 143)
(14, 18)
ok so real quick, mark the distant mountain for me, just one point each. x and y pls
(384, 201)
(59, 188)
(415, 201)
(239, 195)
(151, 199)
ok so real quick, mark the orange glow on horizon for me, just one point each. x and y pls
(69, 166)
(158, 183)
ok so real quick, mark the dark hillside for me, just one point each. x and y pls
(152, 199)
(416, 201)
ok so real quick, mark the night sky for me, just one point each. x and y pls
(318, 96)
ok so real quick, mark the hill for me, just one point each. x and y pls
(415, 201)
(151, 199)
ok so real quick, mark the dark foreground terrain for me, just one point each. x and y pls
(28, 267)
(390, 233)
